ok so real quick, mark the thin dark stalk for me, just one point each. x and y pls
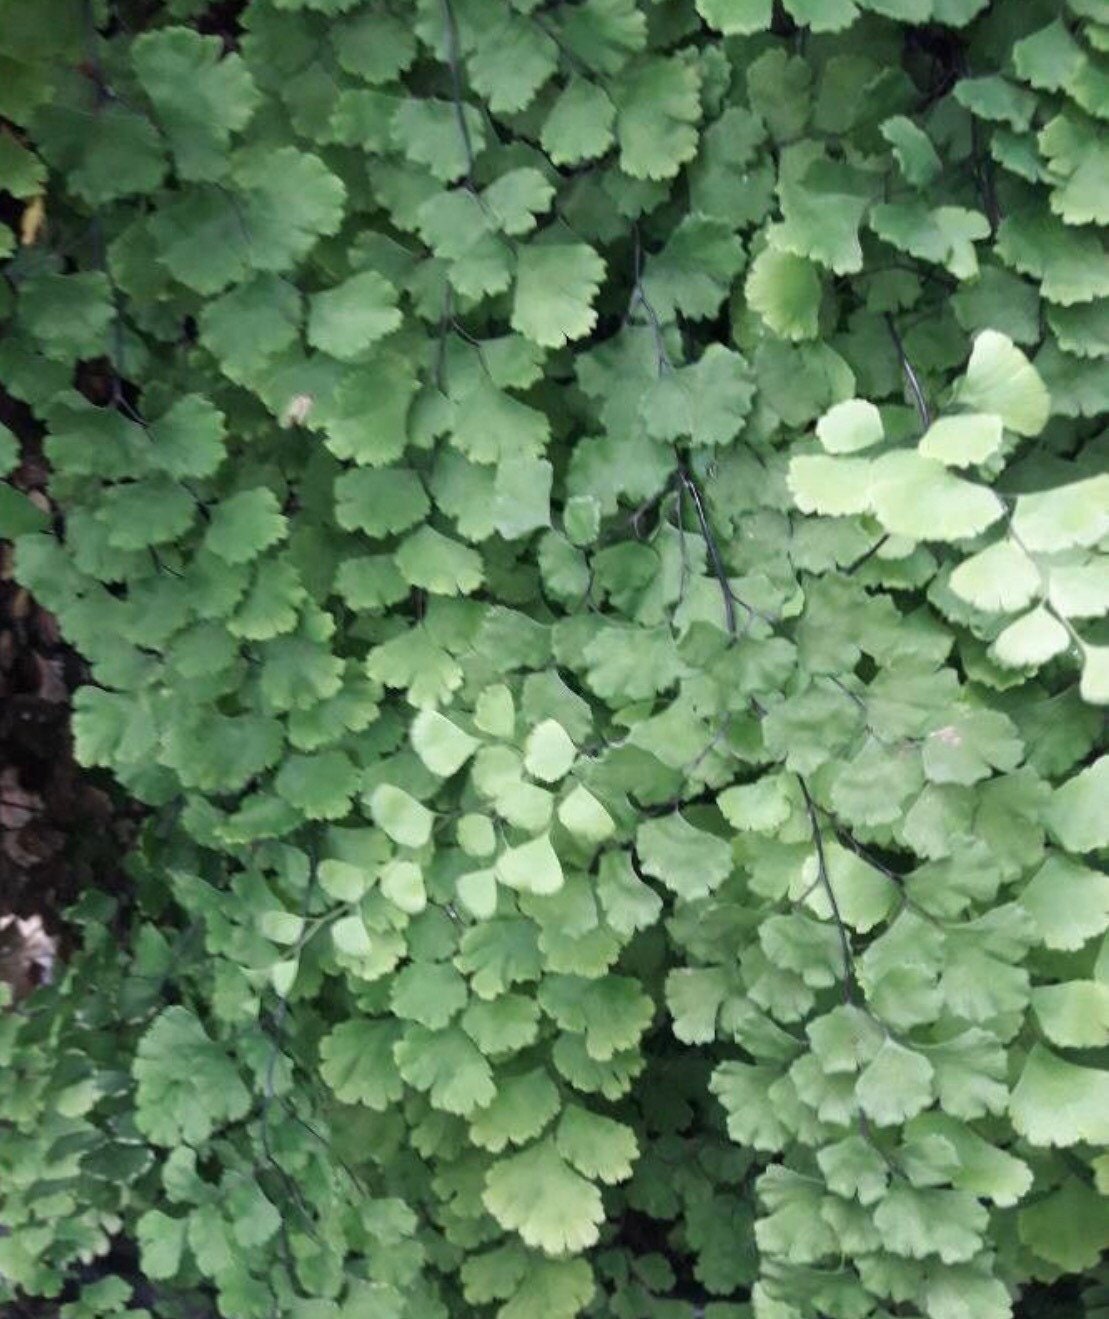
(454, 63)
(866, 555)
(269, 1083)
(637, 514)
(911, 378)
(826, 884)
(715, 558)
(441, 348)
(639, 296)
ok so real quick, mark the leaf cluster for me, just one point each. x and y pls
(588, 536)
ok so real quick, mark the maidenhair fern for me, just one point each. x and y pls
(585, 522)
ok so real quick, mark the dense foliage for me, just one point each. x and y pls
(584, 520)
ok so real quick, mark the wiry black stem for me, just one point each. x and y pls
(269, 1084)
(636, 516)
(639, 297)
(924, 414)
(826, 884)
(911, 378)
(715, 558)
(454, 63)
(866, 555)
(441, 348)
(983, 169)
